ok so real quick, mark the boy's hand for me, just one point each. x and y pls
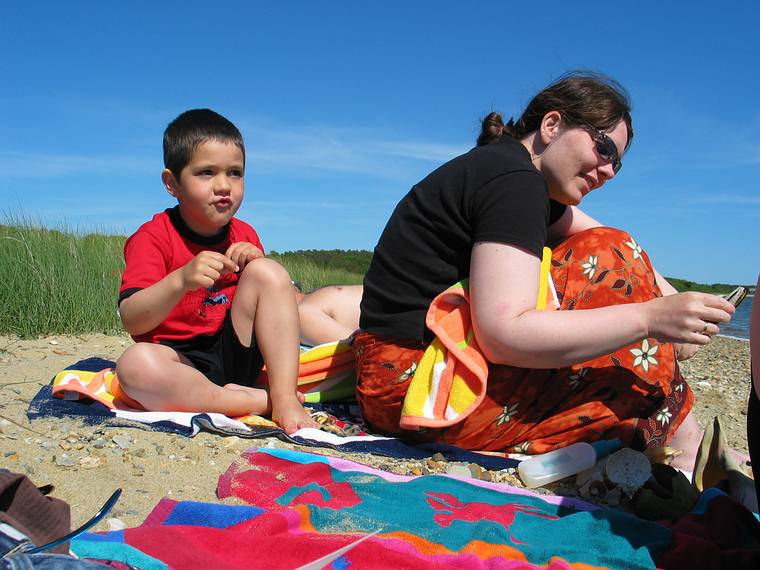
(242, 252)
(204, 269)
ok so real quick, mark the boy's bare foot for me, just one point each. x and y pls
(262, 403)
(290, 415)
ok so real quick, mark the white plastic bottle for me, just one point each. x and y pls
(555, 465)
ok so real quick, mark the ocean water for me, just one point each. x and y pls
(739, 325)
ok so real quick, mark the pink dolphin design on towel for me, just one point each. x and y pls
(455, 510)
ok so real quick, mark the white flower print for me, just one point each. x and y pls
(589, 267)
(635, 247)
(409, 372)
(507, 413)
(664, 415)
(575, 379)
(645, 355)
(522, 448)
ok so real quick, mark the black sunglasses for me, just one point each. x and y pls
(606, 147)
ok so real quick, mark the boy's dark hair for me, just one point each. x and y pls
(582, 97)
(183, 135)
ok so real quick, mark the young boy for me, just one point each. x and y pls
(204, 306)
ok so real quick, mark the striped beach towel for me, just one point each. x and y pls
(326, 372)
(450, 380)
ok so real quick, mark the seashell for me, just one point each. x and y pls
(593, 490)
(628, 469)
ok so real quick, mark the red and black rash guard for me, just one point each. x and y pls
(166, 243)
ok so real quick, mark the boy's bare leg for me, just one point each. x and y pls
(162, 380)
(264, 304)
(233, 386)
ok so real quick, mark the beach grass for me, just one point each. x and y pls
(57, 281)
(67, 282)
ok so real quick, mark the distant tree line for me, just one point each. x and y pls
(350, 260)
(682, 285)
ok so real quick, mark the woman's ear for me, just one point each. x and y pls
(551, 126)
(170, 182)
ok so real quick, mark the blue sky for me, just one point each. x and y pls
(345, 105)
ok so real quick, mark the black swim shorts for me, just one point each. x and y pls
(221, 357)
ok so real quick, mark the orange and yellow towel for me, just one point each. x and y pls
(450, 380)
(326, 373)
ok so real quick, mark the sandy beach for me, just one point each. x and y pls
(86, 464)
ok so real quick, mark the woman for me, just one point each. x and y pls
(602, 366)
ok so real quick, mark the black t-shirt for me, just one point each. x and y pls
(492, 193)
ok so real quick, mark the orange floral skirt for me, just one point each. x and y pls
(636, 393)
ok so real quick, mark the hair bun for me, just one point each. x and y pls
(492, 128)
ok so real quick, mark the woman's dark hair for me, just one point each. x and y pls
(582, 98)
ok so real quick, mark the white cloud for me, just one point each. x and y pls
(359, 151)
(50, 165)
(422, 151)
(308, 150)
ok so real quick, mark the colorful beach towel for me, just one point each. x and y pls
(450, 380)
(301, 507)
(325, 374)
(341, 423)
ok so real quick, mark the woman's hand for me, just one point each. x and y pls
(686, 318)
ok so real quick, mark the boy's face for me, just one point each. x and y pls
(210, 189)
